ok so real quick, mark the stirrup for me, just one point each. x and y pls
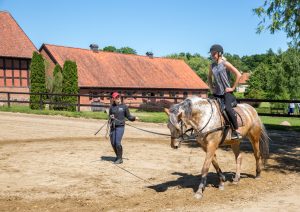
(236, 135)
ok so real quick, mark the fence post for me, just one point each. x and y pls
(8, 99)
(78, 103)
(41, 101)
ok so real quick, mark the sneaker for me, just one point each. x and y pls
(119, 161)
(236, 135)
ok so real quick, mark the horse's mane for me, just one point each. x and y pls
(186, 106)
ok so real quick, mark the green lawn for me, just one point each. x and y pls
(155, 117)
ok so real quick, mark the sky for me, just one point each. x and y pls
(163, 27)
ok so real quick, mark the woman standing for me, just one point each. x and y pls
(117, 113)
(220, 86)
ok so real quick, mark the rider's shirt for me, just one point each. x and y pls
(120, 112)
(220, 78)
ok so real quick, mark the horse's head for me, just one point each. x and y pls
(177, 121)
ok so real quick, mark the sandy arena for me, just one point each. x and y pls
(57, 164)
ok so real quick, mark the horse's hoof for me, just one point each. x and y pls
(198, 196)
(221, 187)
(235, 181)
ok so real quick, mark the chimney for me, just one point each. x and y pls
(149, 54)
(94, 47)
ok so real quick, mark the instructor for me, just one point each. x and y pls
(118, 112)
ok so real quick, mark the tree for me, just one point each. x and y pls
(290, 63)
(196, 62)
(278, 15)
(37, 80)
(126, 50)
(70, 84)
(57, 86)
(109, 49)
(257, 84)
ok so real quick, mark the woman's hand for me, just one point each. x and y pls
(229, 90)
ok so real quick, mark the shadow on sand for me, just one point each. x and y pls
(192, 181)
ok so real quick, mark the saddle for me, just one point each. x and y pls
(228, 127)
(240, 113)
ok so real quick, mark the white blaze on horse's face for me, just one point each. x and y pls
(175, 129)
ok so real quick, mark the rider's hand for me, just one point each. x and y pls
(229, 90)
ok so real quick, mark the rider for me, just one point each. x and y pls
(118, 112)
(220, 85)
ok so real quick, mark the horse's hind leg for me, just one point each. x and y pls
(211, 149)
(238, 160)
(219, 172)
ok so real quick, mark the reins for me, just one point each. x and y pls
(199, 132)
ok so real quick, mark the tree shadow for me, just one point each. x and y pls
(192, 181)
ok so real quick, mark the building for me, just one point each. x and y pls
(243, 84)
(16, 50)
(104, 72)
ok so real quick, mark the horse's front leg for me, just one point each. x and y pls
(211, 149)
(221, 176)
(238, 160)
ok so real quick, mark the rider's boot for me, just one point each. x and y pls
(116, 152)
(235, 135)
(119, 155)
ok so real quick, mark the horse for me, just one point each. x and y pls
(204, 116)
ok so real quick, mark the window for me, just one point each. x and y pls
(13, 73)
(8, 63)
(1, 63)
(185, 94)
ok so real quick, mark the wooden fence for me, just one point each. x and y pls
(152, 103)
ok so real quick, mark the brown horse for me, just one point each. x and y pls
(204, 116)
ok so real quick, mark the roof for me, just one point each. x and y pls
(110, 69)
(244, 78)
(14, 42)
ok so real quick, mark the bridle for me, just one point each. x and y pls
(198, 132)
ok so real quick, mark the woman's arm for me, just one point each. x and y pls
(128, 115)
(237, 74)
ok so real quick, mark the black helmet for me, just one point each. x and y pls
(216, 48)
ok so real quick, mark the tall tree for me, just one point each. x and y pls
(70, 84)
(37, 80)
(278, 15)
(57, 86)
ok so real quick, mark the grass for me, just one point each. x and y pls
(154, 117)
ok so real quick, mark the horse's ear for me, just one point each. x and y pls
(167, 111)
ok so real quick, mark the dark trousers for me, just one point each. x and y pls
(230, 101)
(116, 135)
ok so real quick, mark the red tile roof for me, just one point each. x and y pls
(108, 69)
(244, 78)
(13, 40)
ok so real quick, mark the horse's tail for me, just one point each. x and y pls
(264, 142)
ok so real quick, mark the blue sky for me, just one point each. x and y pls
(161, 26)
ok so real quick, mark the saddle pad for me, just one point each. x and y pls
(240, 115)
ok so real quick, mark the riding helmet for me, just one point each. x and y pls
(216, 48)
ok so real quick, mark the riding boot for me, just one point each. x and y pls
(235, 135)
(115, 150)
(119, 155)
